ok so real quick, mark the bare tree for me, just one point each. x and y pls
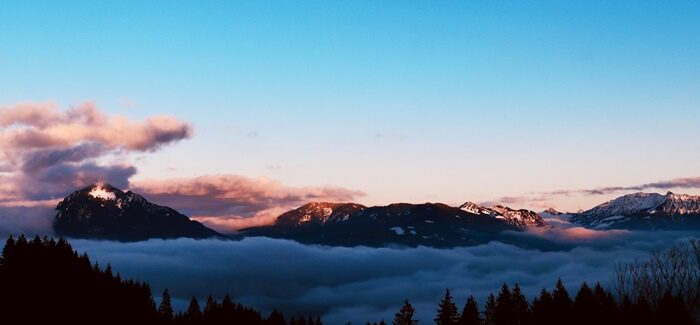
(675, 271)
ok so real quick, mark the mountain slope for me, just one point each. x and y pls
(429, 224)
(643, 211)
(101, 211)
(520, 218)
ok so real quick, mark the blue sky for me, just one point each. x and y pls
(405, 100)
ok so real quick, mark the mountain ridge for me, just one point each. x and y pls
(101, 211)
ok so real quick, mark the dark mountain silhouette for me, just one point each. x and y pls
(429, 224)
(102, 211)
(643, 211)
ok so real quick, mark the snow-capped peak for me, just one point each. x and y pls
(100, 191)
(628, 204)
(475, 208)
(521, 218)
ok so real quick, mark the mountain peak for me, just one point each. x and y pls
(520, 218)
(474, 208)
(552, 211)
(102, 211)
(103, 191)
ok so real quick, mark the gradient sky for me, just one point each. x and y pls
(406, 101)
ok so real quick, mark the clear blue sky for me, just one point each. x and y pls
(405, 100)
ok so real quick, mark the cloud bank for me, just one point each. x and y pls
(229, 202)
(360, 284)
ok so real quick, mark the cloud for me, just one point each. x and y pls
(30, 126)
(229, 202)
(359, 284)
(546, 199)
(47, 153)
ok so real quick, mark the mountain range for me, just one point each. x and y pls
(643, 211)
(102, 211)
(429, 224)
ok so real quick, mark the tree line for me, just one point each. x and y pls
(44, 280)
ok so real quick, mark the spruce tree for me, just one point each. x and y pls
(490, 310)
(504, 307)
(194, 313)
(405, 315)
(470, 313)
(585, 306)
(561, 304)
(521, 309)
(542, 309)
(165, 310)
(447, 311)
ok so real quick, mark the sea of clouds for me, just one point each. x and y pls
(361, 283)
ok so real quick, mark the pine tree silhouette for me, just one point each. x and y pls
(194, 312)
(447, 311)
(521, 308)
(405, 315)
(542, 309)
(490, 310)
(470, 313)
(561, 304)
(165, 310)
(504, 307)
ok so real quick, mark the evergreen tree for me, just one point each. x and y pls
(606, 304)
(275, 318)
(165, 310)
(542, 309)
(194, 312)
(405, 315)
(470, 313)
(504, 307)
(561, 304)
(490, 310)
(447, 311)
(521, 308)
(585, 306)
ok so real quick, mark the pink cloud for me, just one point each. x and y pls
(29, 126)
(230, 202)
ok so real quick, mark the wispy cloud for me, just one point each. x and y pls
(229, 202)
(546, 199)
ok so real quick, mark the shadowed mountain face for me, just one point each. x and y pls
(101, 211)
(644, 211)
(428, 224)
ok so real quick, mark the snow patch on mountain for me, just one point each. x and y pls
(100, 192)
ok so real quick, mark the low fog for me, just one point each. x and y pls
(359, 284)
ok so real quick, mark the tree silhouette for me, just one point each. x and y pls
(405, 315)
(447, 311)
(194, 312)
(470, 313)
(561, 304)
(165, 310)
(504, 307)
(490, 310)
(542, 309)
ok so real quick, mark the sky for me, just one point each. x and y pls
(261, 106)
